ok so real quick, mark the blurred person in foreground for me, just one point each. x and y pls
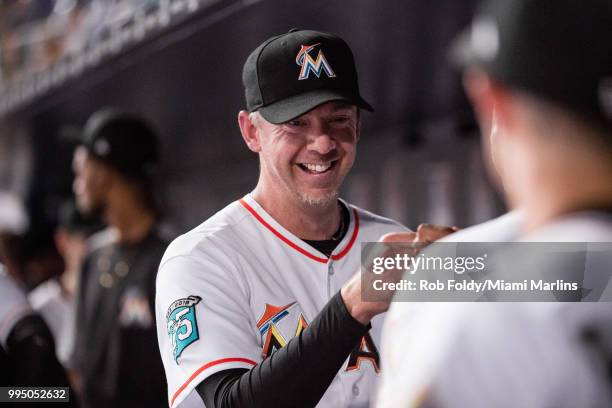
(546, 68)
(27, 349)
(54, 299)
(115, 353)
(503, 228)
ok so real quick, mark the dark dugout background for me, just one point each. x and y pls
(419, 156)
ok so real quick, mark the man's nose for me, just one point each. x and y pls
(321, 142)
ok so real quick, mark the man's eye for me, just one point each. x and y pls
(295, 122)
(340, 120)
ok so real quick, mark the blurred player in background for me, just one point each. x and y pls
(546, 68)
(27, 349)
(54, 299)
(31, 258)
(115, 352)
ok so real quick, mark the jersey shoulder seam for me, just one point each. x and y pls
(204, 236)
(369, 216)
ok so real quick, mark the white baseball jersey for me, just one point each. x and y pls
(13, 307)
(57, 310)
(404, 383)
(505, 228)
(500, 354)
(239, 286)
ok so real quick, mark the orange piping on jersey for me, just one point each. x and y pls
(296, 247)
(204, 367)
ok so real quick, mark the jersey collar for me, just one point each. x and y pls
(266, 220)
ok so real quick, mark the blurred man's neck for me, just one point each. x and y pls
(130, 216)
(567, 184)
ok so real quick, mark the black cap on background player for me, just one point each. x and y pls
(290, 74)
(559, 50)
(124, 141)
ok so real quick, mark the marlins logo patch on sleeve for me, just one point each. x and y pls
(182, 324)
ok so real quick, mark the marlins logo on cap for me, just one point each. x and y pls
(309, 65)
(274, 87)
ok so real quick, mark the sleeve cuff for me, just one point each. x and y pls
(345, 317)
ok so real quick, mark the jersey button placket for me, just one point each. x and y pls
(330, 278)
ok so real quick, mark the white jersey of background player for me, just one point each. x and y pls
(14, 305)
(504, 228)
(413, 329)
(243, 286)
(501, 354)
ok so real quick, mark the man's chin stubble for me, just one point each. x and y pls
(320, 201)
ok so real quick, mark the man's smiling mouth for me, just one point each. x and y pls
(317, 168)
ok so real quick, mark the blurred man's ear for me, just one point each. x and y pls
(478, 88)
(248, 129)
(489, 98)
(504, 150)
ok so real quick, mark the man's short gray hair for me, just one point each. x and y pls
(255, 118)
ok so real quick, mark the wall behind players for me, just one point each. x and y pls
(418, 158)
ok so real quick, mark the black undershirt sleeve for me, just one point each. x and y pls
(298, 374)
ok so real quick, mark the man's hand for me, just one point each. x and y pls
(351, 292)
(428, 233)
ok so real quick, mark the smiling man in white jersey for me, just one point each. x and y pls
(254, 306)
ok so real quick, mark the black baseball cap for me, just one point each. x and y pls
(291, 74)
(560, 50)
(124, 141)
